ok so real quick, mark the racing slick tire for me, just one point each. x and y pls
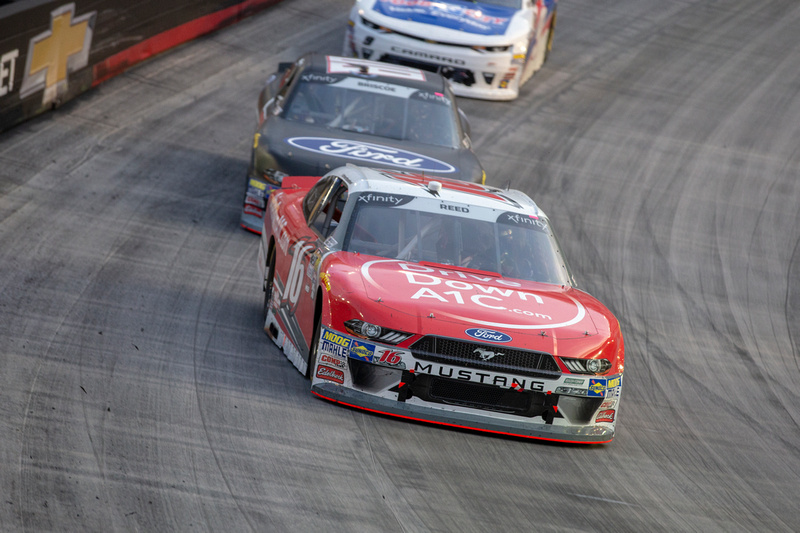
(550, 35)
(312, 350)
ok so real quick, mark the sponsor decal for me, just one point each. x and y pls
(520, 219)
(317, 78)
(388, 357)
(347, 65)
(597, 388)
(605, 416)
(325, 278)
(573, 381)
(331, 374)
(254, 200)
(362, 351)
(56, 53)
(439, 98)
(335, 338)
(477, 295)
(608, 404)
(425, 55)
(8, 63)
(389, 200)
(332, 348)
(477, 18)
(333, 360)
(253, 210)
(371, 153)
(487, 378)
(488, 335)
(257, 185)
(376, 87)
(459, 208)
(615, 382)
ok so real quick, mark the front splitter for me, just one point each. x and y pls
(457, 419)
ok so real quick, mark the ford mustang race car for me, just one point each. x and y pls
(487, 48)
(324, 111)
(437, 300)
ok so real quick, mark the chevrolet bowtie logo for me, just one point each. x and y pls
(54, 54)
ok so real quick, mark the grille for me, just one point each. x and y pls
(478, 396)
(469, 354)
(455, 74)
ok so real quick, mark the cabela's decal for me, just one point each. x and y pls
(371, 153)
(474, 298)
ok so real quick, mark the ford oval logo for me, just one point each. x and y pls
(372, 153)
(490, 335)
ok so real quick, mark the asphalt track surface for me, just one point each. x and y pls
(140, 394)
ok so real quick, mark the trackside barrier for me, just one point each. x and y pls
(52, 51)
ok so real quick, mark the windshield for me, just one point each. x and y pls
(509, 244)
(374, 108)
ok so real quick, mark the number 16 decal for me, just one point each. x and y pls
(294, 281)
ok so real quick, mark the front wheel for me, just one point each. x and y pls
(312, 352)
(550, 35)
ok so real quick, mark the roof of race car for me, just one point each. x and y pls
(362, 179)
(371, 70)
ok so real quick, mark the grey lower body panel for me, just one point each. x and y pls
(361, 400)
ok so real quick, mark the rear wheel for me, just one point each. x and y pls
(269, 282)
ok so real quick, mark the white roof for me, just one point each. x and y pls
(401, 182)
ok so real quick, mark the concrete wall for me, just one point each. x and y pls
(51, 51)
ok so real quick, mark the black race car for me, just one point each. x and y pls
(321, 112)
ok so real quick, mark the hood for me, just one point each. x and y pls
(456, 302)
(466, 17)
(303, 149)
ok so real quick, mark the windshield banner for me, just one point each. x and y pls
(481, 19)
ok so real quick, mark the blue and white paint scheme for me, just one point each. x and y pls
(488, 49)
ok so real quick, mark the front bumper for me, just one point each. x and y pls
(472, 73)
(414, 383)
(360, 400)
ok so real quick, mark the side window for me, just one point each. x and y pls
(286, 80)
(312, 199)
(328, 212)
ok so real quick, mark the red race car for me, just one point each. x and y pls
(437, 300)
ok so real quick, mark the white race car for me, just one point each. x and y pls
(487, 48)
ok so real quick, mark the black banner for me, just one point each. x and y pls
(51, 51)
